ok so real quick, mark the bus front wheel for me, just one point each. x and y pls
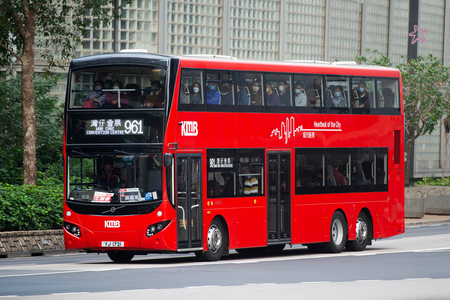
(338, 234)
(363, 234)
(120, 256)
(217, 241)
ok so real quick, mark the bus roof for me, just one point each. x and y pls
(124, 58)
(229, 63)
(315, 67)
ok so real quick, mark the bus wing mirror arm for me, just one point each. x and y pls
(168, 157)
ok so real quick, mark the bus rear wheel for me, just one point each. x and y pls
(363, 234)
(120, 256)
(338, 234)
(217, 241)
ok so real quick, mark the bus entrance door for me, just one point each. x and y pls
(189, 216)
(279, 199)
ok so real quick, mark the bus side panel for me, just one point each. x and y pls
(245, 219)
(312, 215)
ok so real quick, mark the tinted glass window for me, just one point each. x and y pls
(222, 177)
(363, 95)
(252, 84)
(307, 90)
(340, 170)
(191, 87)
(118, 87)
(251, 172)
(115, 178)
(219, 90)
(278, 89)
(388, 96)
(336, 94)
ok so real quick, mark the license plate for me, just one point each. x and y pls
(113, 244)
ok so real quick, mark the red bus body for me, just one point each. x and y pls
(245, 218)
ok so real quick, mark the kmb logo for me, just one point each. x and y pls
(112, 224)
(189, 128)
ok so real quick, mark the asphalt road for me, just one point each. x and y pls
(415, 265)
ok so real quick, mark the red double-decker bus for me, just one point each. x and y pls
(209, 154)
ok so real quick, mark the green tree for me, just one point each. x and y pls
(49, 135)
(425, 87)
(55, 25)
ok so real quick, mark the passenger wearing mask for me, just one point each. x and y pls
(154, 97)
(255, 93)
(213, 95)
(299, 92)
(363, 96)
(112, 98)
(337, 99)
(285, 94)
(196, 97)
(96, 98)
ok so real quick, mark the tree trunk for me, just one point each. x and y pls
(29, 102)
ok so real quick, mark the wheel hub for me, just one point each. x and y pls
(337, 232)
(214, 238)
(361, 230)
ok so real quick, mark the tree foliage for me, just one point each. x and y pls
(58, 26)
(49, 115)
(425, 87)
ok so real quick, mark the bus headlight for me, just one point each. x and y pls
(155, 228)
(72, 229)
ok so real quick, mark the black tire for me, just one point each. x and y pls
(363, 234)
(217, 241)
(120, 256)
(258, 251)
(275, 248)
(315, 248)
(338, 234)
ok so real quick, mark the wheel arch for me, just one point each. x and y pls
(344, 214)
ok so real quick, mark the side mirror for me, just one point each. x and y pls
(168, 160)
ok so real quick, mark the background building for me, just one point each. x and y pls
(285, 30)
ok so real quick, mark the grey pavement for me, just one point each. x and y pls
(427, 220)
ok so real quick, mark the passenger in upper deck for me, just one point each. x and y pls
(213, 95)
(241, 95)
(285, 95)
(112, 98)
(299, 92)
(154, 96)
(363, 95)
(225, 94)
(272, 97)
(196, 96)
(96, 98)
(256, 93)
(337, 99)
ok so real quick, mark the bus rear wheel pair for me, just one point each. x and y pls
(338, 235)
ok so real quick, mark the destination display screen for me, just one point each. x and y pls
(114, 128)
